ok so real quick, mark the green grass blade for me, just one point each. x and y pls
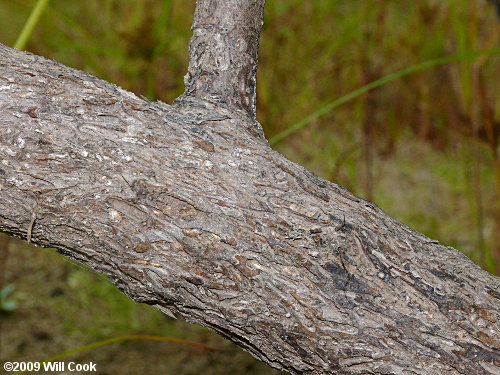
(379, 82)
(160, 26)
(29, 26)
(125, 338)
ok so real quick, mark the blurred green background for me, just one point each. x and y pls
(424, 147)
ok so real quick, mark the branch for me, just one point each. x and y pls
(223, 53)
(185, 209)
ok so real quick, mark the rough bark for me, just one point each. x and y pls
(187, 208)
(223, 52)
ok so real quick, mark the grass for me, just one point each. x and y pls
(30, 24)
(372, 85)
(121, 339)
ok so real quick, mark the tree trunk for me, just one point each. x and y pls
(187, 208)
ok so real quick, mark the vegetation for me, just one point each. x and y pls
(423, 147)
(7, 302)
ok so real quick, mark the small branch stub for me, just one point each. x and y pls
(224, 51)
